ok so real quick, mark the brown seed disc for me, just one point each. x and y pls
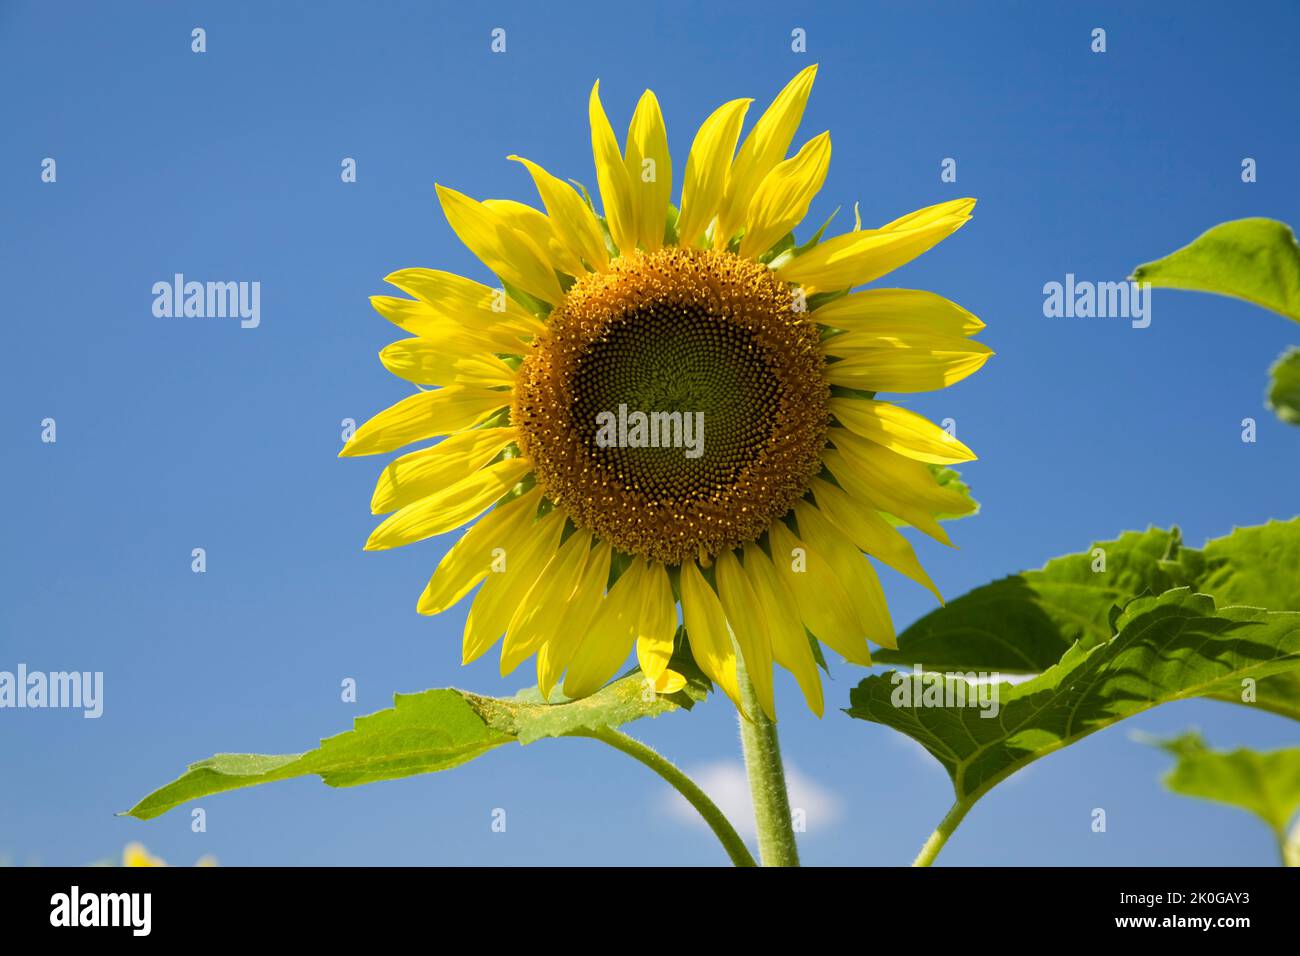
(673, 335)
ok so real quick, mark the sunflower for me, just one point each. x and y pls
(707, 325)
(135, 854)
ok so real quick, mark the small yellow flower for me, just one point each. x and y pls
(663, 409)
(136, 855)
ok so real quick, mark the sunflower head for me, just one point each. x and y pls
(659, 408)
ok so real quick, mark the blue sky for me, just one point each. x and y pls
(182, 433)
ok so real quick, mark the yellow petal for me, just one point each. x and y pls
(657, 624)
(905, 478)
(851, 569)
(502, 592)
(425, 415)
(706, 629)
(535, 224)
(897, 310)
(574, 223)
(782, 198)
(608, 639)
(430, 362)
(611, 175)
(900, 430)
(461, 335)
(870, 533)
(749, 627)
(763, 148)
(512, 255)
(824, 605)
(707, 167)
(856, 258)
(849, 344)
(471, 558)
(929, 215)
(790, 646)
(451, 299)
(542, 609)
(649, 171)
(450, 507)
(573, 619)
(904, 497)
(902, 363)
(669, 682)
(423, 472)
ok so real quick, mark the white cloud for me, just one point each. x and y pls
(727, 785)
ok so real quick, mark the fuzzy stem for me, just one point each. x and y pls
(940, 836)
(688, 788)
(1290, 846)
(776, 842)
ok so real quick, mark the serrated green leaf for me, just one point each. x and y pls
(1167, 648)
(1278, 693)
(1265, 784)
(1257, 565)
(1284, 386)
(1024, 623)
(424, 732)
(1253, 259)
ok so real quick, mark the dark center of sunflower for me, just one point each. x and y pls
(676, 404)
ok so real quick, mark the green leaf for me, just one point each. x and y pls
(1024, 623)
(1253, 259)
(1284, 386)
(424, 732)
(1265, 784)
(1278, 693)
(1255, 565)
(1167, 648)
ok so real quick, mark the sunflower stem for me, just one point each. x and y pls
(940, 836)
(1290, 845)
(776, 842)
(688, 788)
